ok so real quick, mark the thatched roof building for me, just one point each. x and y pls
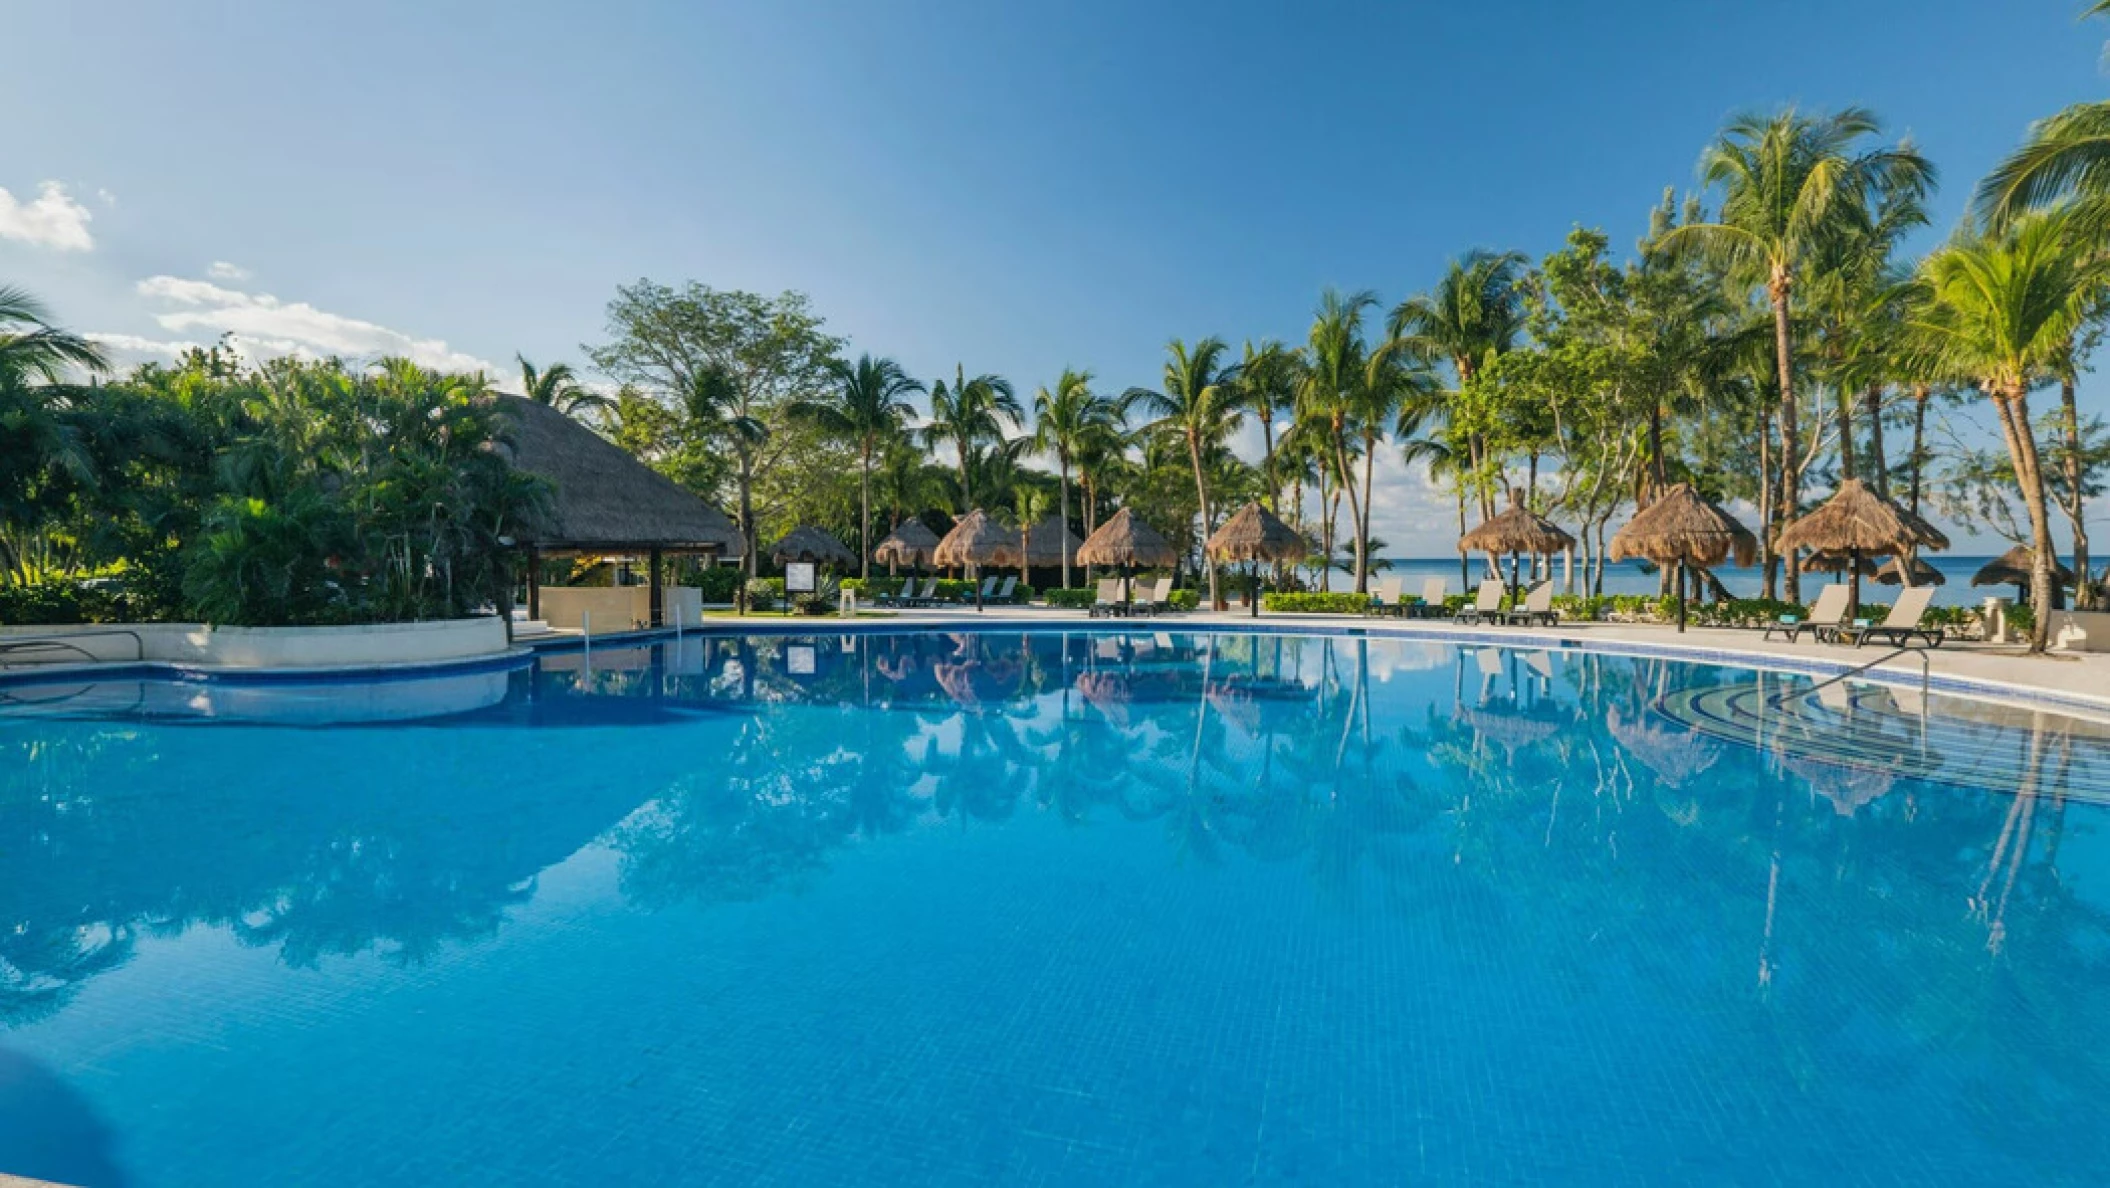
(1517, 530)
(1839, 563)
(1681, 527)
(909, 544)
(1254, 533)
(977, 540)
(1856, 519)
(2012, 568)
(1125, 542)
(808, 543)
(603, 499)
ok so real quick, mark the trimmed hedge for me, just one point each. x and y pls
(1306, 603)
(1071, 599)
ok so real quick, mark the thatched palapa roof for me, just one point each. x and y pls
(808, 543)
(910, 544)
(1126, 542)
(1681, 526)
(1517, 530)
(2012, 568)
(1254, 533)
(977, 540)
(1856, 519)
(1911, 571)
(603, 499)
(1838, 563)
(1049, 542)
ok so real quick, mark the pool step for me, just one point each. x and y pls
(1874, 728)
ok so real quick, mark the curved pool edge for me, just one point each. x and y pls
(178, 672)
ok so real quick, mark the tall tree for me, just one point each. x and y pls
(1198, 406)
(1790, 184)
(1474, 313)
(968, 414)
(2000, 306)
(1065, 418)
(761, 353)
(867, 407)
(1267, 386)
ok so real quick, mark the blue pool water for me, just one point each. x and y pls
(1052, 909)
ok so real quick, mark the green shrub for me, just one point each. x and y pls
(764, 593)
(1186, 600)
(1071, 599)
(1286, 602)
(716, 583)
(2021, 617)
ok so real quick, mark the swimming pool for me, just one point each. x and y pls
(1049, 908)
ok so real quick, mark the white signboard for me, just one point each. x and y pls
(799, 578)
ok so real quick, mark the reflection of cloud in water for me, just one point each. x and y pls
(1388, 657)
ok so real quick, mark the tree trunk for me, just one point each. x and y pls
(2076, 499)
(864, 524)
(1769, 564)
(1790, 440)
(1465, 564)
(1878, 466)
(2013, 407)
(747, 509)
(1655, 446)
(1267, 458)
(1920, 396)
(1362, 551)
(1201, 497)
(1064, 459)
(1845, 400)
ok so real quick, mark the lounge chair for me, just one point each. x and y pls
(1433, 592)
(1487, 604)
(912, 596)
(1159, 600)
(1388, 598)
(1825, 615)
(1537, 608)
(1108, 601)
(1900, 627)
(1005, 592)
(904, 597)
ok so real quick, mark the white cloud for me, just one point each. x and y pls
(263, 325)
(222, 270)
(52, 219)
(129, 347)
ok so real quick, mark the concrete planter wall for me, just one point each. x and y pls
(617, 608)
(2080, 631)
(205, 646)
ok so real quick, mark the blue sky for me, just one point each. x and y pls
(1018, 187)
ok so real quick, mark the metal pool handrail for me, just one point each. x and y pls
(1926, 673)
(57, 641)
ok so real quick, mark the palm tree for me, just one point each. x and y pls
(1790, 184)
(717, 406)
(2000, 305)
(2066, 156)
(1267, 385)
(1198, 405)
(967, 414)
(1064, 419)
(558, 387)
(1475, 313)
(867, 408)
(31, 347)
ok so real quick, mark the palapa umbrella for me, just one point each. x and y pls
(1516, 531)
(2013, 567)
(1050, 544)
(808, 543)
(1125, 542)
(1254, 534)
(911, 544)
(1857, 522)
(1680, 528)
(1911, 571)
(1838, 564)
(975, 541)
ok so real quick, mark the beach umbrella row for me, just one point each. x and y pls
(1516, 531)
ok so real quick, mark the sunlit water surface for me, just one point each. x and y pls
(1052, 909)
